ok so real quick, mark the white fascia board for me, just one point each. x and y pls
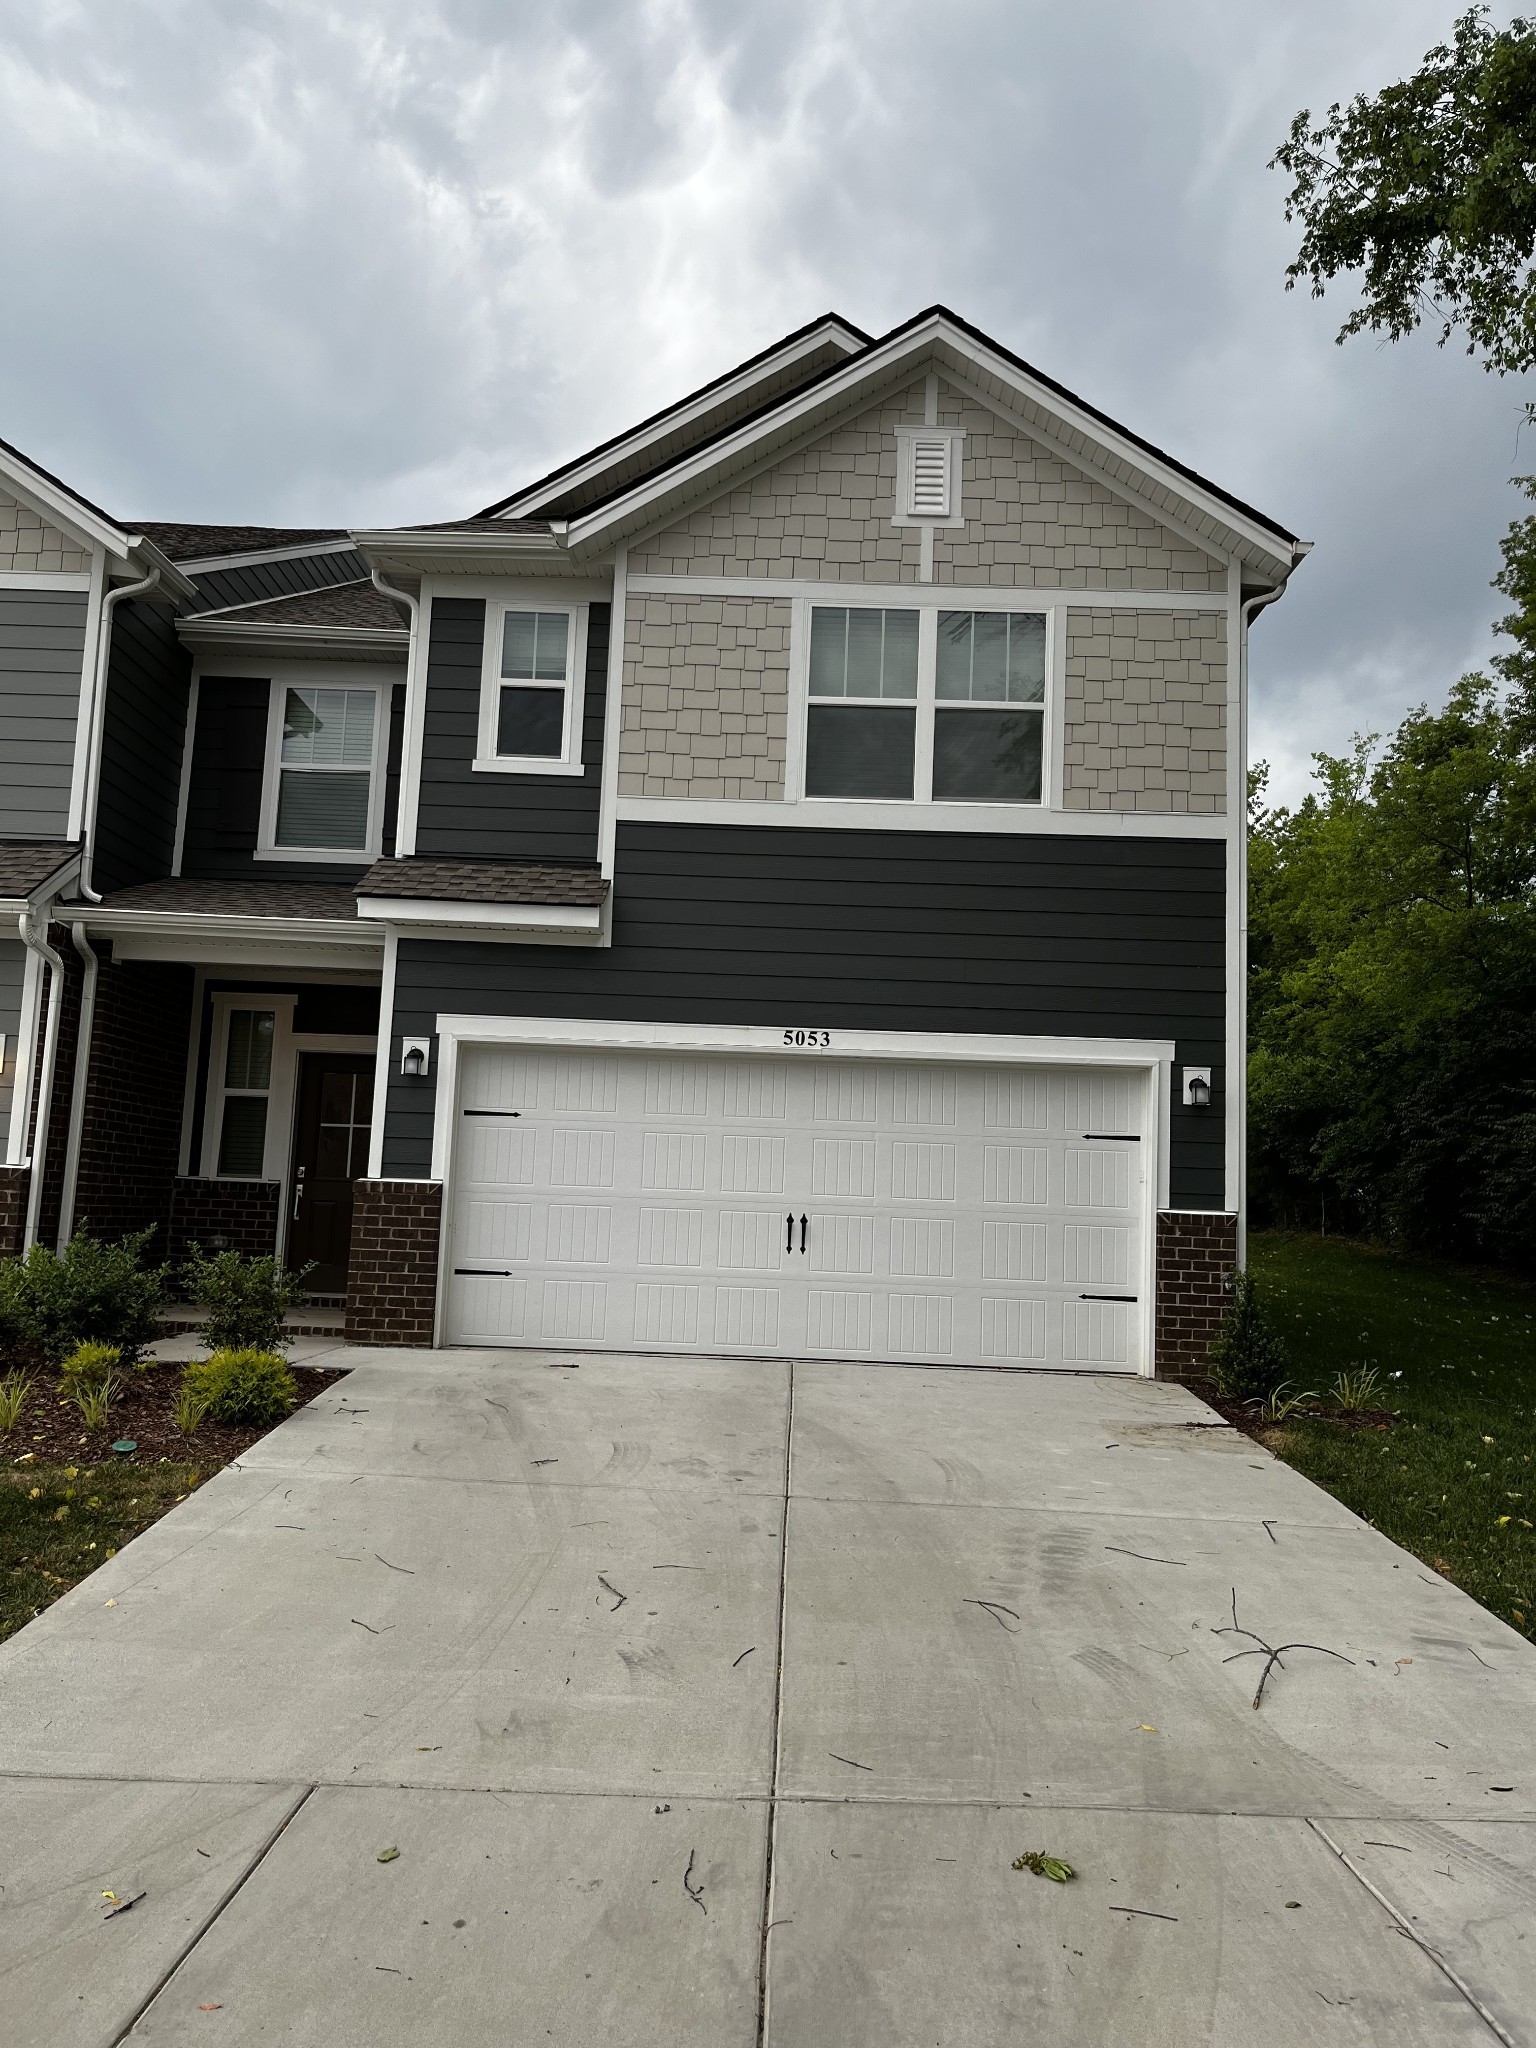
(202, 926)
(377, 642)
(142, 555)
(508, 918)
(421, 546)
(871, 815)
(583, 471)
(261, 955)
(949, 1047)
(297, 552)
(879, 365)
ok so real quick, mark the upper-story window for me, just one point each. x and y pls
(925, 705)
(531, 694)
(322, 799)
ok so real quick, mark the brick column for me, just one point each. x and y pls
(14, 1182)
(1196, 1253)
(392, 1274)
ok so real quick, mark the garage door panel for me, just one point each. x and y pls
(1013, 1329)
(582, 1158)
(751, 1240)
(671, 1237)
(751, 1165)
(952, 1213)
(674, 1160)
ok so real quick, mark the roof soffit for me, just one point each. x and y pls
(1066, 425)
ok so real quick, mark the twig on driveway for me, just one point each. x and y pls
(695, 1892)
(373, 1631)
(1268, 1650)
(849, 1760)
(618, 1597)
(1142, 1913)
(1144, 1557)
(997, 1610)
(1269, 1531)
(742, 1658)
(396, 1567)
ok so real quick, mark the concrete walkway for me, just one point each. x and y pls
(710, 1703)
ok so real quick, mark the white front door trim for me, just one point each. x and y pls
(1154, 1057)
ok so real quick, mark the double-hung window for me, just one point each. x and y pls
(246, 1094)
(531, 688)
(322, 795)
(925, 705)
(861, 722)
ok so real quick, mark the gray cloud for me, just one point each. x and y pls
(294, 262)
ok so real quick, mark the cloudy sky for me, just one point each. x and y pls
(294, 262)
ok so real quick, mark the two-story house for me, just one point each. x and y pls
(772, 886)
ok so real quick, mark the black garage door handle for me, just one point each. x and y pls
(1106, 1297)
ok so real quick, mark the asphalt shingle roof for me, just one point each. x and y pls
(189, 543)
(25, 864)
(356, 604)
(466, 881)
(238, 899)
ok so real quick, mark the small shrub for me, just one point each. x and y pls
(1248, 1361)
(1282, 1404)
(189, 1409)
(15, 1392)
(54, 1301)
(1359, 1389)
(93, 1399)
(248, 1386)
(90, 1365)
(246, 1298)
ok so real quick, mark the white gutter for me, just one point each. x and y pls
(98, 713)
(87, 1022)
(35, 939)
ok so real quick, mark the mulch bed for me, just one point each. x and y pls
(1249, 1422)
(50, 1430)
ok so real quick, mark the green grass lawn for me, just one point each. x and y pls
(58, 1522)
(1454, 1481)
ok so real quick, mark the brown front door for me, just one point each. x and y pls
(330, 1152)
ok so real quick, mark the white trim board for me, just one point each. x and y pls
(37, 579)
(867, 815)
(296, 552)
(963, 597)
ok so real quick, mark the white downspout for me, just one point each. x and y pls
(98, 713)
(35, 939)
(87, 953)
(410, 756)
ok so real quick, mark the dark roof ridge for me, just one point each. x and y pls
(688, 398)
(69, 490)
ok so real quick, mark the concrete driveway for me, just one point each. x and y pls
(711, 1703)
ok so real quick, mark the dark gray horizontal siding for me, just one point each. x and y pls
(143, 732)
(219, 587)
(1038, 937)
(42, 653)
(485, 816)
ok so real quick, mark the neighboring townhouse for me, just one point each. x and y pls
(772, 886)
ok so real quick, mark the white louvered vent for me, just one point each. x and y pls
(930, 479)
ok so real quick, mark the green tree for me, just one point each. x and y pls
(1393, 991)
(1429, 189)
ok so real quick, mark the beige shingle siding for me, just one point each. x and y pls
(1035, 521)
(1145, 719)
(1031, 519)
(29, 544)
(825, 512)
(706, 697)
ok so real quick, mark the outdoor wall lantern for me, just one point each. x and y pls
(1197, 1087)
(415, 1057)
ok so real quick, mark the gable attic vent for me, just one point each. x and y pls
(930, 478)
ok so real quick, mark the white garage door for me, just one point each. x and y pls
(800, 1206)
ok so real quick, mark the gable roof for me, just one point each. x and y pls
(125, 544)
(787, 365)
(973, 363)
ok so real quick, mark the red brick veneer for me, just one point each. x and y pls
(224, 1215)
(392, 1276)
(1196, 1254)
(14, 1182)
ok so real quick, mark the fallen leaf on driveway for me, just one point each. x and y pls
(210, 2008)
(388, 1855)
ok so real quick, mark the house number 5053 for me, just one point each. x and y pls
(807, 1038)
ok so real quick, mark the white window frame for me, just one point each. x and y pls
(277, 1142)
(928, 703)
(487, 761)
(340, 676)
(906, 472)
